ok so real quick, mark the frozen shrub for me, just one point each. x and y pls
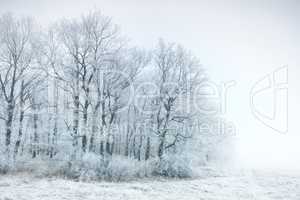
(88, 166)
(121, 168)
(97, 167)
(173, 166)
(3, 165)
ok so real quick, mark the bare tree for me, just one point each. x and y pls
(90, 44)
(17, 55)
(176, 77)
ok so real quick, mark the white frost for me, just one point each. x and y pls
(251, 186)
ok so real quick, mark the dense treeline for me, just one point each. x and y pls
(80, 89)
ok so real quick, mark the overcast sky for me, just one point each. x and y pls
(235, 40)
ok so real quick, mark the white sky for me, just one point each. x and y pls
(236, 40)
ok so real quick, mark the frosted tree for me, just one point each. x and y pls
(17, 74)
(176, 74)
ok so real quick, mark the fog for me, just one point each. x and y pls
(238, 40)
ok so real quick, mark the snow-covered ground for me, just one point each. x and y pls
(251, 186)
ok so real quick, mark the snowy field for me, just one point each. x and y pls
(250, 186)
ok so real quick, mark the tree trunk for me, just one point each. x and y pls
(75, 125)
(22, 112)
(94, 131)
(148, 146)
(127, 144)
(161, 148)
(10, 111)
(140, 148)
(35, 130)
(85, 126)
